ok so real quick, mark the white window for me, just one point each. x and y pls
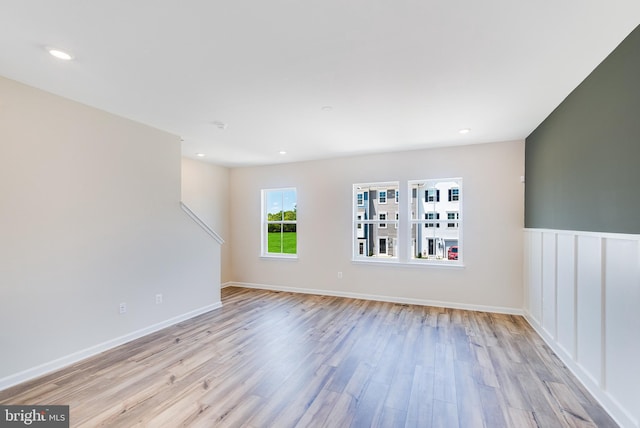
(382, 216)
(360, 233)
(436, 225)
(451, 216)
(375, 231)
(454, 194)
(360, 198)
(432, 235)
(279, 222)
(432, 195)
(432, 216)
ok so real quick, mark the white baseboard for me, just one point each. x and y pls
(375, 297)
(67, 360)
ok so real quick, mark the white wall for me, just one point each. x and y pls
(583, 298)
(493, 204)
(89, 218)
(205, 190)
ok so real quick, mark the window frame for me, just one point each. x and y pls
(437, 225)
(430, 196)
(433, 220)
(404, 221)
(453, 222)
(264, 223)
(382, 214)
(370, 223)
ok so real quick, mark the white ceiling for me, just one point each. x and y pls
(398, 74)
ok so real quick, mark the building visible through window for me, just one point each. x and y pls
(376, 221)
(435, 222)
(434, 226)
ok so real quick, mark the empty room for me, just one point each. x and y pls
(319, 214)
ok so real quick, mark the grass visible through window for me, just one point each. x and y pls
(282, 242)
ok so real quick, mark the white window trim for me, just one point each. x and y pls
(457, 199)
(356, 258)
(421, 222)
(402, 257)
(264, 247)
(455, 220)
(383, 221)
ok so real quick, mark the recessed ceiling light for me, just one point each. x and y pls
(327, 108)
(60, 54)
(200, 155)
(219, 124)
(282, 152)
(464, 131)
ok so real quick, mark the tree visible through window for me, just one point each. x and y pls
(279, 230)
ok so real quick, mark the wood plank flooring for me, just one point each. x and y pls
(275, 359)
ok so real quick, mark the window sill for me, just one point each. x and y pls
(412, 264)
(287, 257)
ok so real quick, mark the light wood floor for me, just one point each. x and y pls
(284, 360)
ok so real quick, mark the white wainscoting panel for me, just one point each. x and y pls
(566, 301)
(549, 283)
(583, 291)
(589, 306)
(623, 317)
(535, 272)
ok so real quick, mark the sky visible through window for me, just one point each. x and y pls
(281, 201)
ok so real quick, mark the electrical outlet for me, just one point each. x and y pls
(158, 299)
(339, 275)
(123, 308)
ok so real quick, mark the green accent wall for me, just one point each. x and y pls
(583, 162)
